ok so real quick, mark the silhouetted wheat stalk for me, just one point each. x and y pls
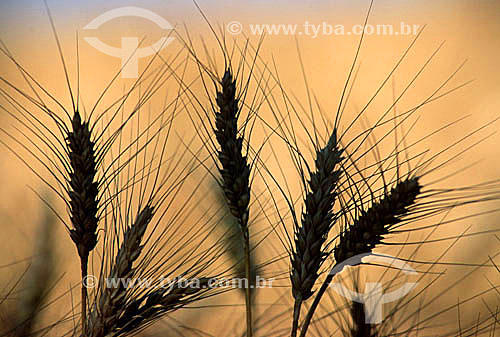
(360, 328)
(369, 229)
(100, 186)
(235, 246)
(231, 149)
(235, 172)
(110, 306)
(83, 196)
(401, 201)
(317, 220)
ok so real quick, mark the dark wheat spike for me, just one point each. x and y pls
(317, 220)
(368, 230)
(106, 314)
(372, 225)
(147, 308)
(83, 195)
(234, 169)
(83, 188)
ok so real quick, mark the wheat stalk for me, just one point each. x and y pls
(235, 246)
(104, 317)
(369, 229)
(235, 172)
(120, 312)
(317, 220)
(360, 328)
(83, 196)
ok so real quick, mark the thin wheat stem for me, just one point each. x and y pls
(315, 304)
(296, 316)
(84, 267)
(248, 293)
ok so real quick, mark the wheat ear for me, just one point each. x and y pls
(109, 306)
(83, 196)
(317, 220)
(145, 309)
(369, 229)
(235, 171)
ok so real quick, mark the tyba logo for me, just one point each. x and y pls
(374, 298)
(129, 53)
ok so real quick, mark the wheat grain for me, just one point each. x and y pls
(83, 188)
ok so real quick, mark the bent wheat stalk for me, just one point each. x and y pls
(368, 230)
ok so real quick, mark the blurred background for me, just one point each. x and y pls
(470, 31)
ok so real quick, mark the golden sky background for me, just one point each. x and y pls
(470, 31)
